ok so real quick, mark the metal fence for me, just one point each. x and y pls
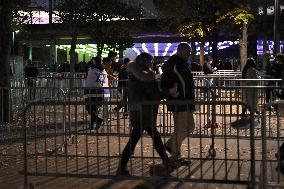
(58, 142)
(272, 145)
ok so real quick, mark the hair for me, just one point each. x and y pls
(183, 46)
(112, 54)
(280, 58)
(144, 60)
(126, 60)
(249, 64)
(29, 62)
(98, 61)
(208, 58)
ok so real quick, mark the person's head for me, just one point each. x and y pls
(112, 55)
(251, 63)
(183, 51)
(98, 63)
(145, 60)
(208, 59)
(93, 60)
(279, 58)
(126, 61)
(28, 62)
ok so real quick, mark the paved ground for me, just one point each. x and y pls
(82, 158)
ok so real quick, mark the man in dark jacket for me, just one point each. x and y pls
(177, 84)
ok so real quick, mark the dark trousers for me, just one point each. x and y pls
(92, 108)
(140, 123)
(31, 83)
(124, 93)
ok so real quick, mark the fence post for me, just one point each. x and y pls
(252, 148)
(263, 138)
(24, 121)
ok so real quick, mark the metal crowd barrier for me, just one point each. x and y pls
(272, 150)
(61, 145)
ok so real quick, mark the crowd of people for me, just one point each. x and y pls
(139, 83)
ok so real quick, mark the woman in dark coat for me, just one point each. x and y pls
(142, 87)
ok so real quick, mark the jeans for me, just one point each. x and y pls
(183, 125)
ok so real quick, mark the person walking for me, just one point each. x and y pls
(123, 86)
(142, 87)
(177, 84)
(250, 96)
(95, 91)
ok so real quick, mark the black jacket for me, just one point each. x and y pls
(207, 68)
(31, 71)
(176, 70)
(142, 87)
(142, 84)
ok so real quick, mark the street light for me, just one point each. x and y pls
(14, 32)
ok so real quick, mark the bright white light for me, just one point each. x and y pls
(136, 50)
(174, 52)
(144, 48)
(166, 49)
(156, 49)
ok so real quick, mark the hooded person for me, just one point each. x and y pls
(142, 87)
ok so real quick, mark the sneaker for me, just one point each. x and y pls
(168, 149)
(116, 109)
(98, 123)
(122, 171)
(91, 127)
(125, 114)
(174, 157)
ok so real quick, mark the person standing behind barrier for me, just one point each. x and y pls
(110, 66)
(250, 96)
(31, 73)
(177, 84)
(123, 86)
(277, 72)
(208, 68)
(94, 93)
(142, 87)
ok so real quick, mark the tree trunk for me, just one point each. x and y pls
(214, 45)
(100, 48)
(193, 51)
(243, 46)
(202, 52)
(5, 50)
(72, 51)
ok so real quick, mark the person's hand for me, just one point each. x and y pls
(174, 91)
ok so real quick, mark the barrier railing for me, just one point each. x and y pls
(64, 125)
(272, 146)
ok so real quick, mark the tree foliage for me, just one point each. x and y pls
(111, 22)
(9, 21)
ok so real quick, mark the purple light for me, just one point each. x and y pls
(162, 47)
(270, 46)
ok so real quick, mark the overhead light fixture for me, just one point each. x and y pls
(167, 48)
(144, 48)
(156, 49)
(136, 50)
(174, 52)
